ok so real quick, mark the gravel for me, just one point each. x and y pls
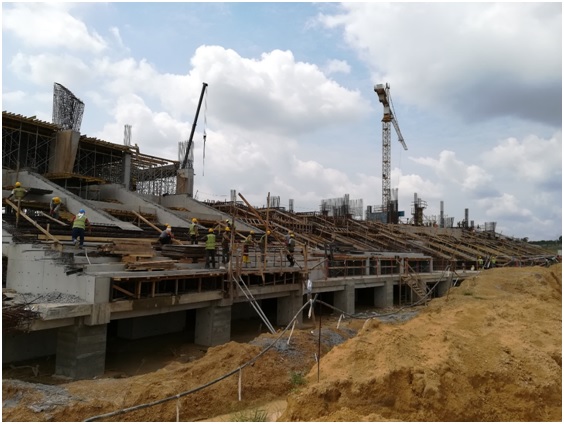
(52, 297)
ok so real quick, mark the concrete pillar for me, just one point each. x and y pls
(444, 285)
(185, 182)
(81, 351)
(213, 325)
(384, 295)
(288, 307)
(127, 171)
(62, 153)
(344, 300)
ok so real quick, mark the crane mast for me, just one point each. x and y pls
(388, 120)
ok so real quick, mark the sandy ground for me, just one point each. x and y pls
(489, 351)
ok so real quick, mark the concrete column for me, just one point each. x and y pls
(62, 153)
(213, 325)
(344, 300)
(127, 171)
(444, 285)
(288, 307)
(384, 295)
(81, 351)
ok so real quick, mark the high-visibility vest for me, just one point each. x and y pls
(19, 192)
(79, 222)
(193, 229)
(210, 242)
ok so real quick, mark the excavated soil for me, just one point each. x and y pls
(491, 350)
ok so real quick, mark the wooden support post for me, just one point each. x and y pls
(39, 227)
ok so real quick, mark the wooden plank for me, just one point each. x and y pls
(35, 224)
(118, 288)
(52, 219)
(154, 226)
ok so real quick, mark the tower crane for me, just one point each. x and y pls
(383, 93)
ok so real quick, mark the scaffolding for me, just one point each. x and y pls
(26, 143)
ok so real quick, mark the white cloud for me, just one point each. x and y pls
(448, 167)
(531, 160)
(477, 60)
(49, 26)
(44, 69)
(503, 207)
(337, 66)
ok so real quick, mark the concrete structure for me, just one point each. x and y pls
(125, 284)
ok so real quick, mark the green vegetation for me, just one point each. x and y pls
(550, 245)
(297, 378)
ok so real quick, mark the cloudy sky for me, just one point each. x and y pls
(290, 107)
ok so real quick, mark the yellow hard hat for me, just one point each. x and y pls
(18, 184)
(252, 232)
(292, 235)
(194, 220)
(268, 233)
(227, 229)
(210, 230)
(56, 200)
(167, 225)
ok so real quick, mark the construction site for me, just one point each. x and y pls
(71, 302)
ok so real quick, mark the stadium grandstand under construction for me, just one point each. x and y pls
(63, 300)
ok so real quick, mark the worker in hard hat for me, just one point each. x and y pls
(18, 193)
(194, 231)
(79, 224)
(290, 249)
(247, 243)
(263, 242)
(225, 244)
(166, 236)
(55, 207)
(480, 262)
(210, 249)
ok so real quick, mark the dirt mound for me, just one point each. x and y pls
(271, 377)
(489, 351)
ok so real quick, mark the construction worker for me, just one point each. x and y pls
(166, 236)
(18, 193)
(493, 261)
(55, 207)
(79, 224)
(247, 243)
(194, 231)
(263, 242)
(210, 249)
(225, 243)
(480, 262)
(290, 248)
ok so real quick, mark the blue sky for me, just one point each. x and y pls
(290, 108)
